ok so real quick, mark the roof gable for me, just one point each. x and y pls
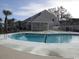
(43, 16)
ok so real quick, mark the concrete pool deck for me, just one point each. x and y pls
(7, 53)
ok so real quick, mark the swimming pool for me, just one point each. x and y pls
(45, 38)
(58, 44)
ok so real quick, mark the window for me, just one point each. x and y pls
(52, 19)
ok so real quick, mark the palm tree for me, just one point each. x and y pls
(6, 13)
(0, 19)
(0, 24)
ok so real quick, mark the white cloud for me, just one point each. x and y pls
(71, 6)
(33, 8)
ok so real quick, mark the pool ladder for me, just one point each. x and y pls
(45, 38)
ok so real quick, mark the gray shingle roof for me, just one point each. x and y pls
(43, 16)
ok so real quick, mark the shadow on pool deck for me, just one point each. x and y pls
(7, 53)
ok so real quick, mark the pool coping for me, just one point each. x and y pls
(46, 32)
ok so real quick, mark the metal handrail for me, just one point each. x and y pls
(45, 38)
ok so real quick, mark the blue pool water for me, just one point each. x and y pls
(48, 38)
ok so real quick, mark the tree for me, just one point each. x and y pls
(60, 12)
(10, 25)
(19, 25)
(6, 13)
(0, 24)
(63, 13)
(0, 20)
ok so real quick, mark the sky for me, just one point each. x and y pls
(22, 9)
